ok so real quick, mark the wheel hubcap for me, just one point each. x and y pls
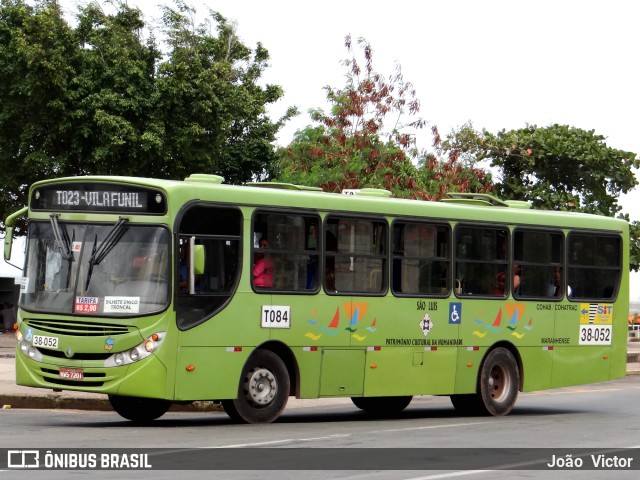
(499, 383)
(262, 386)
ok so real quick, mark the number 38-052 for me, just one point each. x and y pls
(276, 316)
(595, 334)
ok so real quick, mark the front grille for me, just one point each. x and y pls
(72, 383)
(70, 327)
(76, 355)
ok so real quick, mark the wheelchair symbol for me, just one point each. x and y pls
(455, 312)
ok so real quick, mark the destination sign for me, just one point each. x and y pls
(98, 197)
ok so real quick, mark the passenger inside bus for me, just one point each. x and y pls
(499, 285)
(331, 245)
(517, 272)
(500, 282)
(556, 289)
(263, 267)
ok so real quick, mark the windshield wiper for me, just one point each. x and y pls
(62, 238)
(98, 253)
(64, 243)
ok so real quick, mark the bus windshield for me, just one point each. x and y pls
(111, 270)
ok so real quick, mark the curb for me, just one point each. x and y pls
(58, 402)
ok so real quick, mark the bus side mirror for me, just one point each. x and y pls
(8, 242)
(198, 259)
(8, 237)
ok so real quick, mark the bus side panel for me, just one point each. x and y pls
(580, 365)
(400, 371)
(342, 372)
(469, 360)
(578, 358)
(309, 362)
(208, 373)
(411, 345)
(537, 363)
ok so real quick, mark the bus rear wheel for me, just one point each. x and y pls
(497, 387)
(263, 390)
(381, 405)
(139, 410)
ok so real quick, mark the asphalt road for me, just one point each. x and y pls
(596, 418)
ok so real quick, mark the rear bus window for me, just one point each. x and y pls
(594, 266)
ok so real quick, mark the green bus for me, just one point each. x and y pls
(157, 292)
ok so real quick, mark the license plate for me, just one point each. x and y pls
(71, 373)
(45, 342)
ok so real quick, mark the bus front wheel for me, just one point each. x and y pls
(139, 410)
(381, 405)
(497, 387)
(263, 390)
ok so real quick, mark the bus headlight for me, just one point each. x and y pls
(30, 351)
(137, 353)
(134, 354)
(118, 358)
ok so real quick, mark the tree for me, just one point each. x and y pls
(368, 139)
(634, 241)
(555, 168)
(212, 111)
(37, 50)
(114, 96)
(99, 98)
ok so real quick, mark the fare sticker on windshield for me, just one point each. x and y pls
(86, 305)
(121, 304)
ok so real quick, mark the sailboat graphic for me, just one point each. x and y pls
(353, 324)
(332, 328)
(495, 326)
(372, 327)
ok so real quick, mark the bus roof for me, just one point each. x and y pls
(460, 206)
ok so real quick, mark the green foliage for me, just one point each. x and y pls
(35, 76)
(634, 243)
(113, 95)
(99, 98)
(556, 167)
(368, 140)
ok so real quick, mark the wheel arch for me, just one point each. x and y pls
(289, 359)
(516, 354)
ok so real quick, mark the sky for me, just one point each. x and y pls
(499, 64)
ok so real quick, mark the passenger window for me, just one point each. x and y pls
(355, 255)
(420, 259)
(285, 253)
(481, 261)
(538, 256)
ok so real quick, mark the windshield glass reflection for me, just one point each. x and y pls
(96, 269)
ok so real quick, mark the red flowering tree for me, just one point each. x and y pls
(368, 139)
